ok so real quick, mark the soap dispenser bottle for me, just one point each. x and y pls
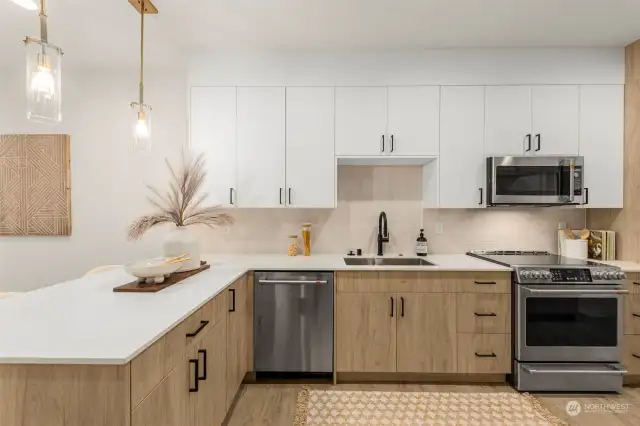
(421, 244)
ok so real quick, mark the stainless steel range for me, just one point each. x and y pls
(567, 322)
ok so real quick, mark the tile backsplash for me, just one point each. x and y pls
(363, 192)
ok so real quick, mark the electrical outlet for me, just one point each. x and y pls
(439, 228)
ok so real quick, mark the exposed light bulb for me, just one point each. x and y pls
(27, 4)
(142, 130)
(42, 83)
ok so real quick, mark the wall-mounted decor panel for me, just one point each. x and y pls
(35, 185)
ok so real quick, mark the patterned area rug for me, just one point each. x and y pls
(339, 407)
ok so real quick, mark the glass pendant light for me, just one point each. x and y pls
(27, 4)
(142, 124)
(44, 74)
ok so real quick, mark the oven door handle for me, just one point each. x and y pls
(557, 291)
(615, 370)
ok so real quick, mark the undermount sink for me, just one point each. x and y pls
(381, 261)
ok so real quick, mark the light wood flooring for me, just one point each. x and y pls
(274, 405)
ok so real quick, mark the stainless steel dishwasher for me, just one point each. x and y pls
(293, 322)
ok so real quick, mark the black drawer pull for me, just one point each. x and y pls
(204, 363)
(491, 355)
(485, 282)
(636, 315)
(391, 306)
(203, 324)
(636, 283)
(635, 356)
(402, 306)
(195, 375)
(491, 314)
(233, 300)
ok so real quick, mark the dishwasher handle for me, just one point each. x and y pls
(293, 281)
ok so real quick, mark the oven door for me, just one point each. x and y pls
(568, 323)
(535, 180)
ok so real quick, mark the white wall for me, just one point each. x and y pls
(426, 67)
(107, 179)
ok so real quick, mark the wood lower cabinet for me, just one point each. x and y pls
(484, 353)
(366, 332)
(631, 354)
(238, 336)
(484, 313)
(426, 339)
(208, 406)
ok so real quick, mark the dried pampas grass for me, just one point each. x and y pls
(181, 204)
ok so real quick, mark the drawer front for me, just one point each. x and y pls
(631, 354)
(484, 353)
(633, 283)
(485, 282)
(152, 365)
(632, 314)
(484, 313)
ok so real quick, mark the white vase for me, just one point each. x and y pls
(182, 241)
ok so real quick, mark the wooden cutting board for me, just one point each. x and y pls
(175, 278)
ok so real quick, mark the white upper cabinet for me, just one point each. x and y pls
(462, 160)
(413, 120)
(361, 121)
(213, 133)
(261, 147)
(602, 144)
(508, 121)
(311, 164)
(555, 120)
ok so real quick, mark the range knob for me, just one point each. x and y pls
(536, 274)
(609, 275)
(621, 276)
(546, 275)
(526, 275)
(596, 275)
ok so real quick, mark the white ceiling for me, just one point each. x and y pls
(106, 32)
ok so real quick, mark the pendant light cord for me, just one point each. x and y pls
(141, 53)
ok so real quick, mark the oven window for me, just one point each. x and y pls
(532, 180)
(572, 321)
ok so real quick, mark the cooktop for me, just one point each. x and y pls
(530, 258)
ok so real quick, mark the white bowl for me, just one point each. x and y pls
(152, 270)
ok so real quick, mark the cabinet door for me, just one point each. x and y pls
(208, 405)
(361, 121)
(508, 121)
(311, 164)
(602, 144)
(554, 116)
(169, 403)
(427, 340)
(462, 161)
(261, 147)
(414, 120)
(366, 332)
(237, 338)
(213, 133)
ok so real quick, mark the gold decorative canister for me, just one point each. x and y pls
(306, 238)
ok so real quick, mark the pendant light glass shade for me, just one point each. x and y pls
(142, 128)
(27, 4)
(44, 82)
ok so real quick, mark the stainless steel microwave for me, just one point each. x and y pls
(535, 181)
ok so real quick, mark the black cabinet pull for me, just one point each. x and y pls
(528, 143)
(491, 355)
(492, 314)
(391, 306)
(586, 196)
(290, 196)
(402, 307)
(391, 143)
(195, 375)
(539, 140)
(636, 283)
(233, 300)
(635, 356)
(480, 189)
(485, 282)
(636, 315)
(382, 143)
(280, 195)
(203, 324)
(231, 196)
(204, 363)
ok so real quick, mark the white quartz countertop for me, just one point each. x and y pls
(84, 322)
